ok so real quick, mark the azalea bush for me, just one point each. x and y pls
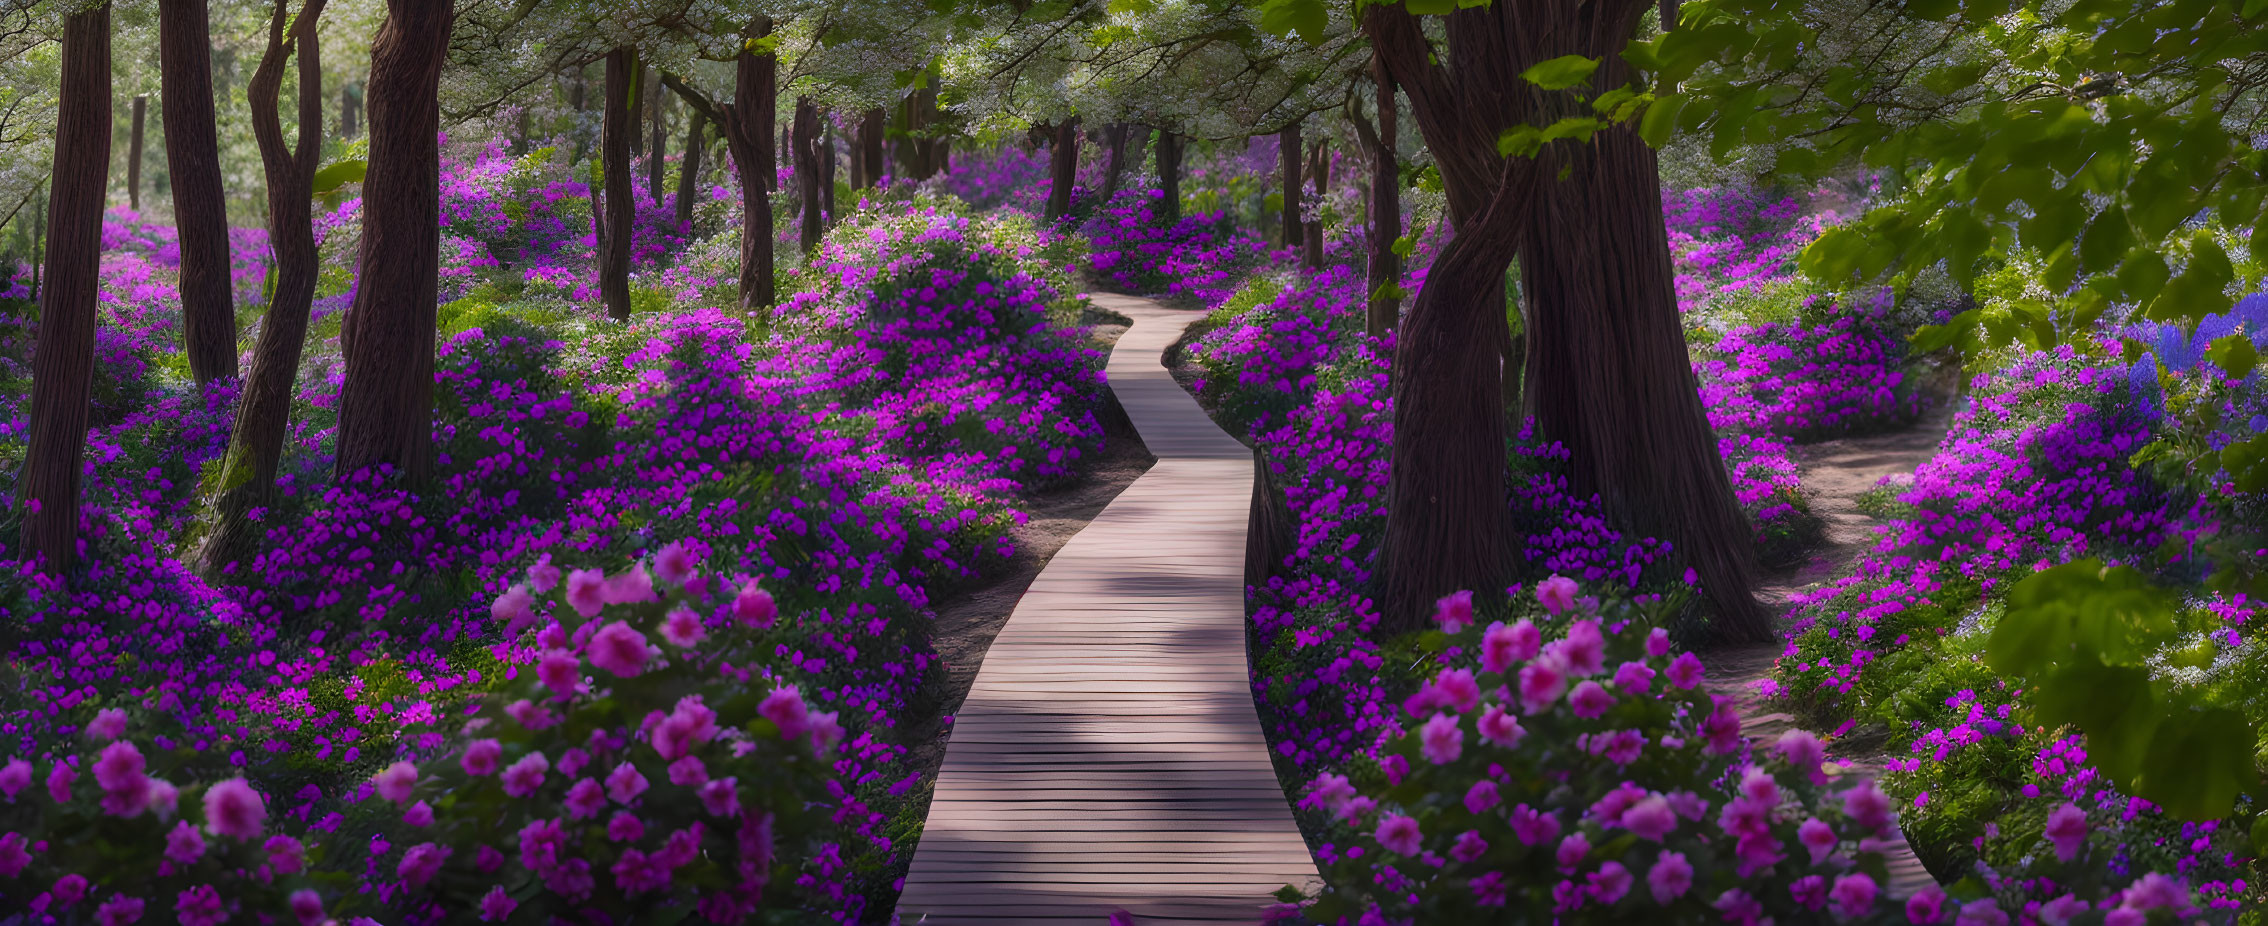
(1136, 250)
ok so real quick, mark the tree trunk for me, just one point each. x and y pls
(689, 172)
(655, 143)
(386, 402)
(1271, 531)
(621, 209)
(872, 132)
(635, 102)
(1288, 155)
(263, 414)
(200, 202)
(808, 172)
(858, 180)
(1169, 175)
(62, 359)
(917, 153)
(828, 152)
(1062, 169)
(350, 105)
(755, 93)
(1114, 143)
(134, 153)
(1319, 165)
(1383, 273)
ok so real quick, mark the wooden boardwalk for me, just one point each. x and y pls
(1109, 756)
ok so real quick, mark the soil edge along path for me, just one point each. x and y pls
(1108, 756)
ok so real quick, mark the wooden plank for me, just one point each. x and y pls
(1108, 756)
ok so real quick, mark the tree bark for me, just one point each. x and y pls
(1383, 271)
(1063, 169)
(63, 355)
(386, 401)
(134, 153)
(657, 142)
(263, 414)
(635, 103)
(1289, 151)
(749, 135)
(828, 152)
(871, 134)
(808, 173)
(200, 202)
(621, 208)
(1114, 144)
(689, 171)
(1271, 531)
(1319, 165)
(919, 156)
(1169, 174)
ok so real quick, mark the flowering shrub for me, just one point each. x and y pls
(1202, 256)
(1805, 382)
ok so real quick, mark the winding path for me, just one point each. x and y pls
(1109, 756)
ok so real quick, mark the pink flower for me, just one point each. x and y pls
(560, 671)
(1457, 689)
(1634, 677)
(183, 845)
(1534, 828)
(1590, 700)
(1399, 834)
(200, 906)
(688, 725)
(1982, 913)
(754, 607)
(163, 797)
(306, 907)
(232, 808)
(2154, 890)
(675, 563)
(1657, 646)
(2062, 910)
(522, 778)
(1809, 891)
(1758, 785)
(543, 844)
(1584, 648)
(1441, 739)
(1610, 882)
(1927, 906)
(1802, 750)
(1329, 790)
(585, 798)
(630, 586)
(1481, 796)
(13, 858)
(487, 860)
(688, 772)
(119, 910)
(784, 708)
(421, 863)
(481, 757)
(2067, 829)
(1499, 728)
(1670, 877)
(395, 781)
(514, 609)
(118, 770)
(1756, 852)
(1454, 612)
(1541, 683)
(69, 889)
(1556, 593)
(14, 777)
(1739, 907)
(624, 784)
(59, 782)
(572, 761)
(1868, 807)
(497, 906)
(1503, 647)
(1572, 850)
(586, 591)
(682, 629)
(531, 715)
(1468, 847)
(721, 797)
(1650, 818)
(625, 827)
(1817, 837)
(285, 855)
(1853, 894)
(1685, 671)
(619, 649)
(543, 576)
(108, 724)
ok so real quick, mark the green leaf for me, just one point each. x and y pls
(338, 174)
(2113, 705)
(1960, 329)
(2079, 613)
(2234, 354)
(1405, 246)
(2247, 463)
(1309, 18)
(2198, 763)
(1560, 73)
(1660, 119)
(2106, 241)
(1430, 7)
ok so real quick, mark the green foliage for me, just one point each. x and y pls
(1560, 73)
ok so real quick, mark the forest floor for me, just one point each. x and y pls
(1837, 475)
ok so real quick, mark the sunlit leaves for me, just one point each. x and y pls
(1560, 73)
(1308, 18)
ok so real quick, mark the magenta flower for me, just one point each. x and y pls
(688, 772)
(754, 607)
(1818, 838)
(496, 906)
(1532, 827)
(1457, 688)
(69, 889)
(1399, 834)
(1468, 847)
(481, 757)
(183, 845)
(1441, 739)
(624, 784)
(1657, 646)
(1556, 593)
(13, 856)
(675, 563)
(543, 845)
(1454, 612)
(1634, 677)
(1670, 877)
(163, 797)
(1541, 683)
(630, 586)
(419, 814)
(421, 863)
(14, 777)
(514, 609)
(1572, 850)
(1984, 912)
(619, 649)
(285, 855)
(1809, 892)
(625, 827)
(119, 910)
(118, 770)
(543, 576)
(1685, 671)
(586, 591)
(395, 781)
(1583, 649)
(1651, 818)
(1503, 647)
(2067, 829)
(1853, 894)
(682, 628)
(1867, 806)
(721, 797)
(522, 778)
(108, 724)
(1610, 882)
(585, 798)
(1481, 796)
(200, 906)
(1590, 700)
(561, 671)
(530, 715)
(59, 781)
(784, 708)
(306, 907)
(1499, 728)
(232, 808)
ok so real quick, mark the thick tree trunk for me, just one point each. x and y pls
(1169, 174)
(919, 156)
(1062, 169)
(134, 153)
(1383, 272)
(1114, 145)
(1319, 166)
(1288, 147)
(755, 94)
(386, 401)
(657, 143)
(200, 203)
(63, 355)
(1610, 377)
(689, 171)
(263, 414)
(871, 133)
(829, 152)
(621, 208)
(635, 103)
(808, 172)
(1271, 531)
